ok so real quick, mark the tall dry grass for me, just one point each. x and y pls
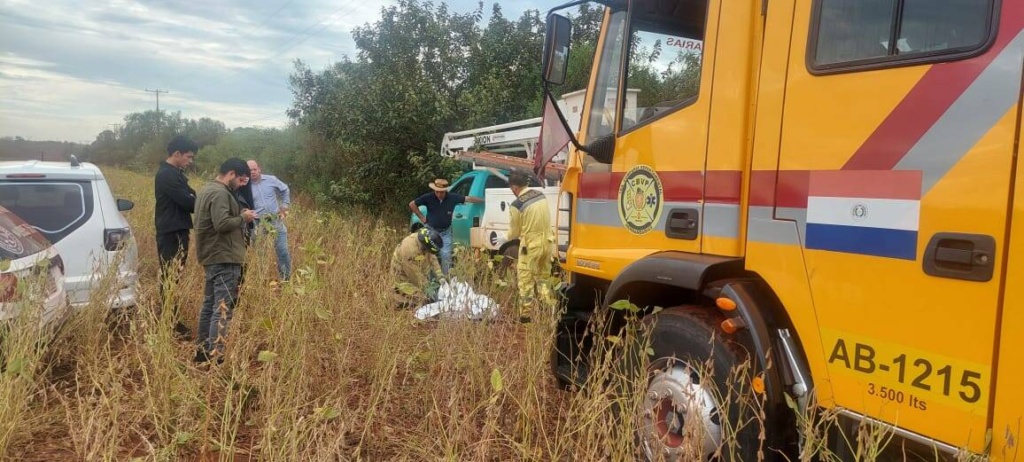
(323, 368)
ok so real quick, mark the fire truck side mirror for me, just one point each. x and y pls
(556, 49)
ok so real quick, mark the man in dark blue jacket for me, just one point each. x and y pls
(175, 202)
(440, 205)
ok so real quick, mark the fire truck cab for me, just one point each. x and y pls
(823, 188)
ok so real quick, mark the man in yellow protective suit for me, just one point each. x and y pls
(414, 266)
(531, 224)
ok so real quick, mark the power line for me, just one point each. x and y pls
(157, 91)
(349, 12)
(285, 47)
(264, 21)
(159, 118)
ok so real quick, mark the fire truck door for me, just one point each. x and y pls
(1008, 421)
(899, 174)
(661, 147)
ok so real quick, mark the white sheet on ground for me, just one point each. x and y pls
(456, 299)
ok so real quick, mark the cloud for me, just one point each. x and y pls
(69, 68)
(37, 102)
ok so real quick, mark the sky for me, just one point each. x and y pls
(70, 69)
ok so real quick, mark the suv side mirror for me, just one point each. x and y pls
(556, 49)
(124, 205)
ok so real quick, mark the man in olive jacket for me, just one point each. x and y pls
(220, 248)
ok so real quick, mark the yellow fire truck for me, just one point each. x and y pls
(826, 188)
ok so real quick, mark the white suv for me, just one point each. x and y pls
(71, 204)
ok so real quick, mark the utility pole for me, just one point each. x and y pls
(158, 117)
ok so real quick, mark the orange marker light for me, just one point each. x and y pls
(731, 325)
(725, 304)
(758, 385)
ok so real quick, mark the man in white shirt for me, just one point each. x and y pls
(272, 199)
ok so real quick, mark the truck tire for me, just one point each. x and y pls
(684, 384)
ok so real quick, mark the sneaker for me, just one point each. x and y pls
(202, 357)
(182, 331)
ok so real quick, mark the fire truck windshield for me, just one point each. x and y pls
(665, 67)
(664, 58)
(601, 121)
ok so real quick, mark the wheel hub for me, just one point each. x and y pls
(678, 416)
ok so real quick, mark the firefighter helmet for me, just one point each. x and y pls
(430, 240)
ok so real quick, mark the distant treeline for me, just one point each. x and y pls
(18, 148)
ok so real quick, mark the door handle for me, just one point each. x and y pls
(459, 215)
(970, 257)
(682, 224)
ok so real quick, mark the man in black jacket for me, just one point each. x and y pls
(175, 202)
(244, 196)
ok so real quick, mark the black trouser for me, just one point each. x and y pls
(172, 248)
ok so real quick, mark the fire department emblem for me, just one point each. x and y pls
(640, 199)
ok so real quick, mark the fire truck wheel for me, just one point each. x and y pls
(691, 383)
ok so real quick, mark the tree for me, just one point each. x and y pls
(141, 141)
(586, 26)
(204, 131)
(108, 149)
(374, 121)
(140, 127)
(366, 129)
(677, 81)
(504, 71)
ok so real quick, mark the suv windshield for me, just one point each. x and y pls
(55, 208)
(17, 238)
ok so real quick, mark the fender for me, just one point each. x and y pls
(761, 311)
(763, 315)
(677, 269)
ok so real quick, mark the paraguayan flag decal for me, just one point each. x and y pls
(864, 212)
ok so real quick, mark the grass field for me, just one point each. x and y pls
(323, 369)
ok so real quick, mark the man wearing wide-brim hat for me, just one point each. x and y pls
(440, 206)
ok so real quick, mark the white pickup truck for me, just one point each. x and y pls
(485, 226)
(493, 229)
(492, 152)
